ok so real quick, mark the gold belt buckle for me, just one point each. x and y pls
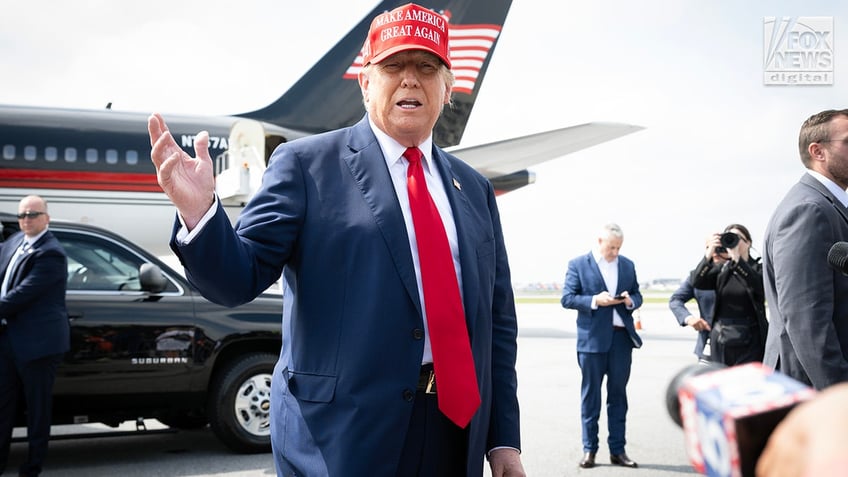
(431, 384)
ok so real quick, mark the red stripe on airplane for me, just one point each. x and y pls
(78, 180)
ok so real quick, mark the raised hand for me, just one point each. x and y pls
(188, 181)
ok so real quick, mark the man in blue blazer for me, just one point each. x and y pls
(603, 288)
(807, 299)
(350, 390)
(705, 300)
(34, 329)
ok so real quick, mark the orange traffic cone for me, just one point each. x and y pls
(637, 320)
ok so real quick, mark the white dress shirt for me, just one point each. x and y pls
(609, 270)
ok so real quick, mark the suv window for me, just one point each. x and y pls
(96, 264)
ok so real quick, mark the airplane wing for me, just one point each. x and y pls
(505, 162)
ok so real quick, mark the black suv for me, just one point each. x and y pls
(146, 344)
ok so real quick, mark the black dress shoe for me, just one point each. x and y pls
(623, 460)
(588, 460)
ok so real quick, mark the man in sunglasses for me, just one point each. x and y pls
(34, 329)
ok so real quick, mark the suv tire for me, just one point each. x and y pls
(239, 405)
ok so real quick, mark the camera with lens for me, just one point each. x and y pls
(728, 240)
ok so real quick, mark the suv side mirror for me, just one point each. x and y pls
(151, 278)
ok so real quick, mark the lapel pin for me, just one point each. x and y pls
(457, 184)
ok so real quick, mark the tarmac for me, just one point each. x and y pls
(549, 393)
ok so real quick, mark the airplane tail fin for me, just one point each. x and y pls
(327, 97)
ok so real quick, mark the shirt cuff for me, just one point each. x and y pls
(501, 447)
(184, 236)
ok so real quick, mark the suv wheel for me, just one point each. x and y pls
(240, 403)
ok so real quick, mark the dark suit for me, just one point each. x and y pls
(36, 337)
(705, 300)
(327, 217)
(807, 299)
(601, 349)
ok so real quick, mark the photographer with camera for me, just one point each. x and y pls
(739, 325)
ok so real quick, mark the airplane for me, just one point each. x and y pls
(94, 166)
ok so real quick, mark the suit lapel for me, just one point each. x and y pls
(368, 168)
(623, 276)
(27, 256)
(820, 188)
(600, 283)
(20, 263)
(462, 217)
(10, 246)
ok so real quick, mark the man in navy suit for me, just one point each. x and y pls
(34, 329)
(352, 391)
(603, 288)
(705, 300)
(807, 299)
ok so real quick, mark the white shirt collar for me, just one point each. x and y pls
(600, 260)
(32, 240)
(393, 150)
(834, 189)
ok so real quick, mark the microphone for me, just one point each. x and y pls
(672, 401)
(837, 257)
(728, 414)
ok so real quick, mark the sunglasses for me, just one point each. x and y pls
(29, 215)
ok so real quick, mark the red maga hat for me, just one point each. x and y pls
(410, 27)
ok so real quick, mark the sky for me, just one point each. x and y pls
(718, 147)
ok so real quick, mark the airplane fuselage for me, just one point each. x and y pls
(94, 166)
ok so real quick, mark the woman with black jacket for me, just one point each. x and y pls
(739, 327)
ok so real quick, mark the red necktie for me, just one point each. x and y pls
(456, 381)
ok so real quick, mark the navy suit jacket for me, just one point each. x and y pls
(594, 327)
(705, 300)
(328, 219)
(807, 299)
(34, 305)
